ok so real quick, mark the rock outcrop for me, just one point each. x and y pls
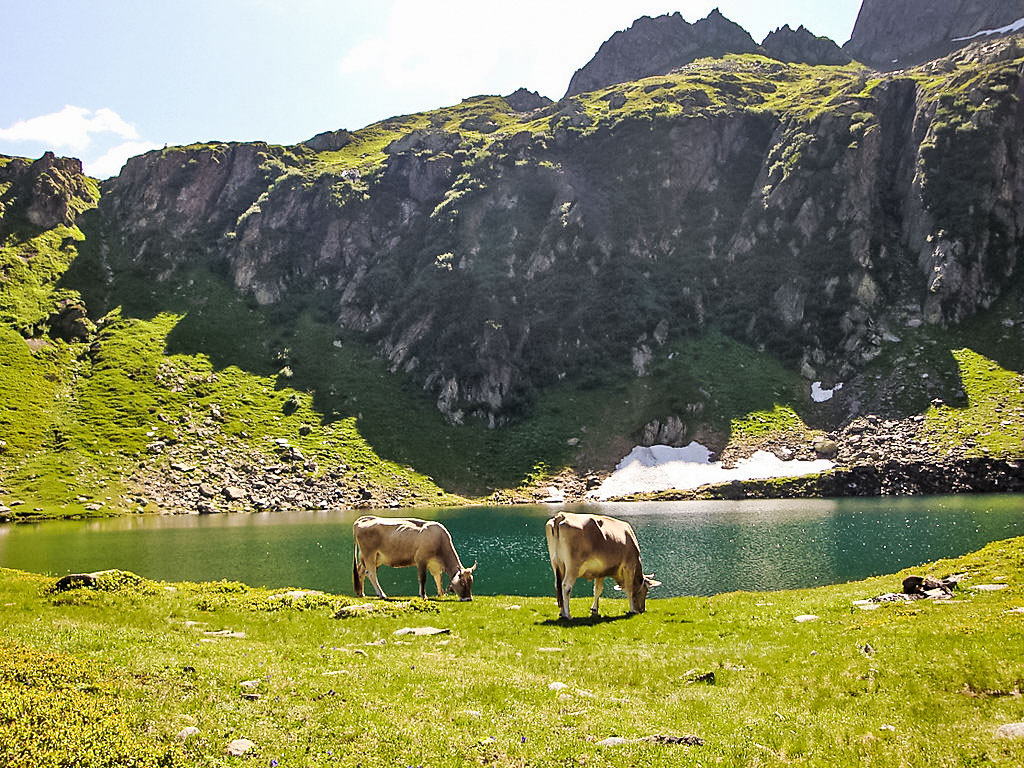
(659, 45)
(895, 34)
(801, 46)
(44, 193)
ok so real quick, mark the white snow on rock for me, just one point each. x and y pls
(662, 467)
(1015, 26)
(820, 395)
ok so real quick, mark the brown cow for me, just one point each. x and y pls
(596, 547)
(401, 542)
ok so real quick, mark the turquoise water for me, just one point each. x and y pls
(696, 548)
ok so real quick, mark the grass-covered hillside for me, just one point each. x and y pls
(507, 294)
(157, 674)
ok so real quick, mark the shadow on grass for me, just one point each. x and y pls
(584, 621)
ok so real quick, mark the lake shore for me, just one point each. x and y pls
(178, 674)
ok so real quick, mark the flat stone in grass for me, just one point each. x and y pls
(421, 631)
(804, 618)
(225, 633)
(239, 747)
(987, 587)
(187, 733)
(1013, 731)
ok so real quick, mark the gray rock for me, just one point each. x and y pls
(1013, 731)
(238, 747)
(233, 493)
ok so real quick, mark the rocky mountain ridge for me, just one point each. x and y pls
(888, 35)
(654, 46)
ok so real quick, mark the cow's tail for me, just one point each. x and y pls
(552, 527)
(357, 578)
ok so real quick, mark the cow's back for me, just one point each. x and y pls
(590, 545)
(399, 542)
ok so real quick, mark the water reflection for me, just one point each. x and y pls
(696, 548)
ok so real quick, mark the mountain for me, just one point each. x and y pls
(659, 45)
(893, 34)
(477, 297)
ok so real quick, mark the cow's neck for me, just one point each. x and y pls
(450, 560)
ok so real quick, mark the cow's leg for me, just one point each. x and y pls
(371, 571)
(598, 589)
(421, 573)
(358, 574)
(558, 585)
(437, 582)
(567, 584)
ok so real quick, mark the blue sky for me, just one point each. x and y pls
(106, 79)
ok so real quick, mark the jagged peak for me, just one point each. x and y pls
(653, 46)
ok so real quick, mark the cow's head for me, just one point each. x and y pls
(638, 600)
(462, 583)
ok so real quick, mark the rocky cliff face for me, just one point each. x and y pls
(893, 34)
(814, 214)
(659, 45)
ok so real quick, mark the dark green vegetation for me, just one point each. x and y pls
(455, 303)
(312, 680)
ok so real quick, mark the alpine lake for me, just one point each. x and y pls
(695, 548)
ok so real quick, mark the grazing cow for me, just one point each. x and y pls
(401, 542)
(596, 547)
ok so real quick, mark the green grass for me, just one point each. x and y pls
(932, 688)
(992, 421)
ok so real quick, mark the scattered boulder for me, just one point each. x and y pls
(70, 322)
(1013, 731)
(233, 493)
(238, 747)
(826, 448)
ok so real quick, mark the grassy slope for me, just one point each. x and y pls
(932, 688)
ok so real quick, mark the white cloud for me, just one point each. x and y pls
(72, 128)
(468, 47)
(110, 162)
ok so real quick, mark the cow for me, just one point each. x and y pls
(596, 547)
(405, 541)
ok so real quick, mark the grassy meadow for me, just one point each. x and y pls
(154, 674)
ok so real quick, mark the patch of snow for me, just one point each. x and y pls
(1014, 27)
(662, 467)
(820, 395)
